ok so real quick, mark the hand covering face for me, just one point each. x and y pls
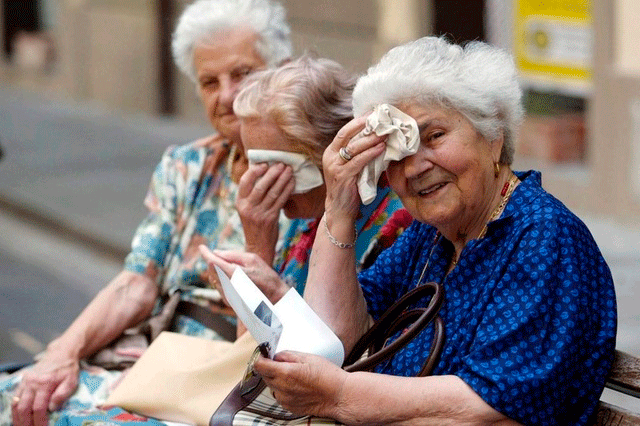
(402, 142)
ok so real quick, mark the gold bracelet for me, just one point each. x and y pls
(333, 239)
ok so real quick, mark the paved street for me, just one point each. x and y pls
(81, 164)
(45, 281)
(87, 169)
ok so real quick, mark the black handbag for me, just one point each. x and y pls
(242, 406)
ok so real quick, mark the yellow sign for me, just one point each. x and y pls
(554, 41)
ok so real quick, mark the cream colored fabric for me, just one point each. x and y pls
(306, 174)
(182, 378)
(403, 141)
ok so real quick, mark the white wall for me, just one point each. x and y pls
(627, 37)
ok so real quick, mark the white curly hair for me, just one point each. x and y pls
(204, 17)
(478, 80)
(309, 99)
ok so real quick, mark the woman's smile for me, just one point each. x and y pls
(432, 190)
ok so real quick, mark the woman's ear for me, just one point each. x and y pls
(496, 147)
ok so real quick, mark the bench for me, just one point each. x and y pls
(624, 378)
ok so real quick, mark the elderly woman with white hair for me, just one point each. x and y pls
(289, 115)
(191, 202)
(529, 307)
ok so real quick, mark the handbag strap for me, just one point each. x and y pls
(396, 318)
(237, 400)
(213, 320)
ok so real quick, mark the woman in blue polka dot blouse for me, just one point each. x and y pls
(529, 310)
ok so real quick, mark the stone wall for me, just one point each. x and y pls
(107, 52)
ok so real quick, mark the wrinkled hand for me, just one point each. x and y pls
(44, 387)
(262, 192)
(341, 177)
(304, 384)
(263, 276)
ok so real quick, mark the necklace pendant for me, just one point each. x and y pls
(505, 188)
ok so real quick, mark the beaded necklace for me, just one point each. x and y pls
(506, 192)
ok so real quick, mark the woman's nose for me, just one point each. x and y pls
(228, 92)
(416, 164)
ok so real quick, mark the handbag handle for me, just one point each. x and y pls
(396, 318)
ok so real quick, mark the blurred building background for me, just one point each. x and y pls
(579, 62)
(78, 170)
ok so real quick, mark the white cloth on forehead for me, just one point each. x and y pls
(306, 174)
(402, 142)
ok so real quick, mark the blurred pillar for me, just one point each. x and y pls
(72, 37)
(166, 94)
(401, 21)
(614, 155)
(2, 37)
(499, 23)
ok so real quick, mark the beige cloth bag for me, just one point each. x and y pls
(182, 378)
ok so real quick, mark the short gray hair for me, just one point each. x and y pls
(309, 99)
(204, 17)
(478, 80)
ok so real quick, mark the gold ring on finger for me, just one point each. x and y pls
(345, 154)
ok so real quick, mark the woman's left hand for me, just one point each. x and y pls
(303, 383)
(262, 275)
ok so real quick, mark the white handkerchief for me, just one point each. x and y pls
(306, 174)
(402, 142)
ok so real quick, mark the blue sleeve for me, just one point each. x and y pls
(543, 350)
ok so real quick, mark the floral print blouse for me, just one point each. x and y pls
(191, 202)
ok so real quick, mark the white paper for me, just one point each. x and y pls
(290, 324)
(304, 331)
(246, 305)
(306, 174)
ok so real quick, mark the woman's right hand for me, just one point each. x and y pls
(341, 176)
(262, 275)
(262, 192)
(44, 388)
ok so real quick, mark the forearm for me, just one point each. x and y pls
(261, 240)
(332, 288)
(125, 301)
(369, 398)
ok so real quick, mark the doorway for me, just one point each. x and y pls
(459, 20)
(19, 15)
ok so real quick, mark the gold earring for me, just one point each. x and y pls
(496, 169)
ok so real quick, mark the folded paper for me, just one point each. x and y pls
(290, 324)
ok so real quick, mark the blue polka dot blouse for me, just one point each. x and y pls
(529, 312)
